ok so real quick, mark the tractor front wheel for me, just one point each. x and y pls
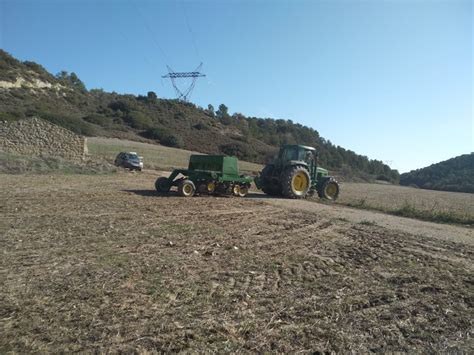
(329, 189)
(186, 188)
(162, 185)
(296, 182)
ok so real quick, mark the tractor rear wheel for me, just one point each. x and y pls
(162, 184)
(296, 182)
(186, 188)
(329, 189)
(266, 178)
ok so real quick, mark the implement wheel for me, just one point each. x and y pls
(236, 190)
(186, 188)
(244, 190)
(296, 182)
(329, 189)
(211, 187)
(162, 185)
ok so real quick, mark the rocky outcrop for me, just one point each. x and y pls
(34, 136)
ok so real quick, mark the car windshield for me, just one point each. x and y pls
(132, 157)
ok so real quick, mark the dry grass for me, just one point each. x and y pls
(11, 163)
(102, 264)
(155, 156)
(437, 206)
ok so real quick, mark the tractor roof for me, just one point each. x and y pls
(299, 146)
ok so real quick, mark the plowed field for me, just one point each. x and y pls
(102, 263)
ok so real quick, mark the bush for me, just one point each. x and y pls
(240, 150)
(201, 126)
(76, 125)
(99, 120)
(139, 120)
(164, 136)
(155, 133)
(10, 116)
(172, 141)
(226, 120)
(120, 105)
(383, 178)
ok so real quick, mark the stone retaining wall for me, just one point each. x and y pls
(34, 136)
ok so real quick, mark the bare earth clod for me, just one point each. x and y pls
(102, 263)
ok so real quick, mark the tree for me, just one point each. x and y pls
(223, 114)
(151, 95)
(71, 80)
(223, 111)
(210, 110)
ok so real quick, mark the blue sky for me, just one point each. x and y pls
(388, 79)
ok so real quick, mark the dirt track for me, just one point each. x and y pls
(408, 225)
(103, 263)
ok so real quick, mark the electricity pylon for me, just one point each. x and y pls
(184, 95)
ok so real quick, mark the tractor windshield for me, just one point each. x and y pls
(290, 153)
(293, 153)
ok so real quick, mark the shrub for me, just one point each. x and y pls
(139, 120)
(120, 105)
(201, 126)
(172, 141)
(164, 136)
(383, 178)
(99, 120)
(238, 149)
(10, 116)
(155, 133)
(74, 124)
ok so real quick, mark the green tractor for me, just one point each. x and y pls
(207, 174)
(294, 174)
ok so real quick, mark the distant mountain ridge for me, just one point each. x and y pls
(27, 89)
(456, 174)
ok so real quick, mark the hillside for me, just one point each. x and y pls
(456, 174)
(27, 89)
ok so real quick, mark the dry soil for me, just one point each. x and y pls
(102, 263)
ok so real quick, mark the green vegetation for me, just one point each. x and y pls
(456, 174)
(163, 136)
(169, 122)
(71, 80)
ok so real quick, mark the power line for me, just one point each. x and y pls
(152, 34)
(193, 39)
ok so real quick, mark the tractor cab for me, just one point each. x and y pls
(294, 173)
(297, 153)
